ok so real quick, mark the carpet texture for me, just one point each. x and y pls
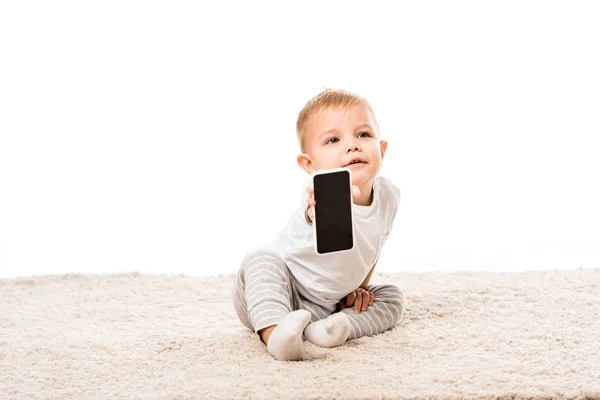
(465, 335)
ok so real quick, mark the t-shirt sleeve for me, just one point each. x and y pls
(396, 193)
(393, 203)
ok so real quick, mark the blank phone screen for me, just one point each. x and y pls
(333, 211)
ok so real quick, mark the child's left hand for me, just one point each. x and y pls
(360, 298)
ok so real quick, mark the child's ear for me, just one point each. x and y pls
(383, 144)
(305, 162)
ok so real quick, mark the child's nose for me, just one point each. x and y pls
(352, 146)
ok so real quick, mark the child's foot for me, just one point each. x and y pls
(285, 342)
(329, 332)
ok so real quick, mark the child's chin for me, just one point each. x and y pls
(360, 178)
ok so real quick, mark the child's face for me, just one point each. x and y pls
(337, 137)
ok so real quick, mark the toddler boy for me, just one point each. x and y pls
(285, 291)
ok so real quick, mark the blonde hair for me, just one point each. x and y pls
(328, 98)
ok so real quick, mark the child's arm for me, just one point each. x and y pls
(356, 298)
(366, 281)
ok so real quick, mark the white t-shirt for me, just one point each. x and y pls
(326, 279)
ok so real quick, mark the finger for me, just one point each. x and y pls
(311, 198)
(350, 299)
(357, 304)
(355, 191)
(365, 300)
(311, 192)
(311, 214)
(371, 298)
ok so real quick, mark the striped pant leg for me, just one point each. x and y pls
(317, 311)
(386, 311)
(262, 290)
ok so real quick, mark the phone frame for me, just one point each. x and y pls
(330, 171)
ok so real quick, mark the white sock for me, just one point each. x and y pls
(285, 342)
(329, 332)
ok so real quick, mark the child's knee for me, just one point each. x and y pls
(394, 297)
(261, 259)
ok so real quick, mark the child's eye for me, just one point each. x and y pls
(366, 134)
(332, 140)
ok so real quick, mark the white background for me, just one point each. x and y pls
(160, 136)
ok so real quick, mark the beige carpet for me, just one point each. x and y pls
(465, 335)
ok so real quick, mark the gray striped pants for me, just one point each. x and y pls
(264, 292)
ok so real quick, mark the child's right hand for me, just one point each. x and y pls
(311, 203)
(310, 213)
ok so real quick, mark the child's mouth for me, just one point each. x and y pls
(355, 164)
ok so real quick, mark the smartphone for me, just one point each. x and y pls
(333, 223)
